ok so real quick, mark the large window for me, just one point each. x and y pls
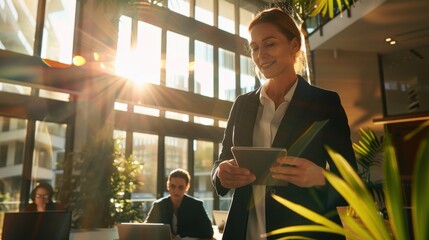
(245, 17)
(179, 6)
(226, 75)
(10, 167)
(124, 65)
(18, 26)
(145, 150)
(204, 11)
(406, 82)
(203, 69)
(176, 154)
(203, 164)
(58, 30)
(18, 21)
(48, 157)
(247, 75)
(177, 61)
(149, 48)
(226, 17)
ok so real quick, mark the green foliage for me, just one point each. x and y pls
(367, 151)
(311, 8)
(366, 222)
(124, 180)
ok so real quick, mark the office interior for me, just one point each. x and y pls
(159, 78)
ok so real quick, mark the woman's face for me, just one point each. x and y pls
(272, 52)
(41, 197)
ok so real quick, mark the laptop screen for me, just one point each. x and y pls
(36, 225)
(138, 231)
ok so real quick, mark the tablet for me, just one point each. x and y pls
(259, 160)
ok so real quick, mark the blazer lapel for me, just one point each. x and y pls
(243, 133)
(291, 119)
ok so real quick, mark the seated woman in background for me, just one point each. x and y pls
(42, 199)
(185, 214)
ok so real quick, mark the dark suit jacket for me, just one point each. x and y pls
(192, 219)
(309, 104)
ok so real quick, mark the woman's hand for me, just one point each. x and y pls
(232, 176)
(298, 171)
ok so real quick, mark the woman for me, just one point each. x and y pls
(285, 109)
(42, 199)
(185, 214)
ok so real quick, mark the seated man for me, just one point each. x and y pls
(185, 214)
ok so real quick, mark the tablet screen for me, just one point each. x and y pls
(259, 160)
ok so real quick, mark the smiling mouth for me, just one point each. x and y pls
(267, 65)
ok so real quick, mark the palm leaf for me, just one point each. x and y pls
(420, 194)
(367, 211)
(366, 151)
(357, 231)
(327, 6)
(394, 205)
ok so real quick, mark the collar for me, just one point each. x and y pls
(263, 97)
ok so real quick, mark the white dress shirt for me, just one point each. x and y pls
(266, 125)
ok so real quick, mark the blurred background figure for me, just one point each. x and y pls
(41, 197)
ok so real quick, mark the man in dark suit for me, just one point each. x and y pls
(185, 214)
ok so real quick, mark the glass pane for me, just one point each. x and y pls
(18, 20)
(226, 75)
(177, 61)
(222, 124)
(203, 188)
(124, 47)
(145, 150)
(226, 16)
(12, 139)
(54, 95)
(180, 6)
(245, 17)
(48, 156)
(176, 154)
(247, 75)
(14, 88)
(406, 82)
(204, 121)
(121, 106)
(58, 31)
(177, 116)
(149, 48)
(203, 70)
(146, 111)
(225, 201)
(204, 11)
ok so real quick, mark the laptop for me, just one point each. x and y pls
(144, 231)
(36, 225)
(219, 218)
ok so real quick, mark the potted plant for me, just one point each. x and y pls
(124, 180)
(366, 222)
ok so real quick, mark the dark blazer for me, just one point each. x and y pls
(192, 219)
(309, 104)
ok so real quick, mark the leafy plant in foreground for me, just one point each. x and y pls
(366, 222)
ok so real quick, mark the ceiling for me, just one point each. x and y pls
(406, 21)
